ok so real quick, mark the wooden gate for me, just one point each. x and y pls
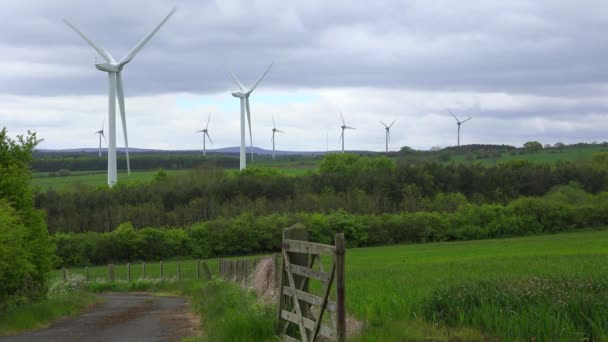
(297, 306)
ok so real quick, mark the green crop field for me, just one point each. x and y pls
(94, 179)
(550, 156)
(469, 290)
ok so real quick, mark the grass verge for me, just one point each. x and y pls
(39, 314)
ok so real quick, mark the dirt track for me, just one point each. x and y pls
(122, 317)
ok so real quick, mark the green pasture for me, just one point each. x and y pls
(392, 289)
(548, 156)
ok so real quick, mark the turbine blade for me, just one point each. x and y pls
(98, 48)
(249, 121)
(383, 124)
(103, 124)
(391, 125)
(208, 118)
(208, 136)
(273, 124)
(280, 131)
(121, 104)
(347, 127)
(341, 136)
(454, 116)
(143, 42)
(236, 80)
(342, 116)
(467, 119)
(104, 137)
(260, 79)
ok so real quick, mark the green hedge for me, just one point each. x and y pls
(564, 208)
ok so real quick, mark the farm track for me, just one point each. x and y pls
(122, 317)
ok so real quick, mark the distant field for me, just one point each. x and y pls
(550, 156)
(390, 287)
(94, 179)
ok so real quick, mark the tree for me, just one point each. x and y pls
(533, 146)
(22, 220)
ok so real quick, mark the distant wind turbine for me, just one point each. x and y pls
(205, 136)
(274, 130)
(100, 132)
(458, 122)
(387, 132)
(344, 127)
(244, 96)
(114, 70)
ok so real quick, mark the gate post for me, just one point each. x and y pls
(340, 288)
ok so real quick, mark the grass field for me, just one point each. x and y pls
(398, 290)
(550, 156)
(94, 179)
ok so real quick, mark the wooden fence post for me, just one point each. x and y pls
(296, 232)
(65, 274)
(161, 269)
(86, 272)
(129, 272)
(198, 269)
(277, 271)
(179, 271)
(340, 288)
(207, 270)
(143, 270)
(111, 272)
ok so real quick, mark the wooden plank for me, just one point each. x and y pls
(310, 273)
(296, 301)
(310, 298)
(340, 287)
(324, 301)
(288, 338)
(309, 324)
(298, 246)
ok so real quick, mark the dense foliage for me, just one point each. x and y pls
(25, 248)
(359, 185)
(565, 208)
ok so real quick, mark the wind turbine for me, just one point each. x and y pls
(114, 70)
(244, 96)
(205, 135)
(274, 130)
(343, 128)
(387, 128)
(458, 122)
(100, 132)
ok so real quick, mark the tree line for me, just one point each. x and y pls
(564, 208)
(359, 185)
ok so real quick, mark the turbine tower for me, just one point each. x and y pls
(387, 134)
(100, 132)
(343, 128)
(114, 70)
(205, 135)
(458, 122)
(274, 130)
(244, 97)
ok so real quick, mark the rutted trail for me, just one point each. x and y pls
(122, 317)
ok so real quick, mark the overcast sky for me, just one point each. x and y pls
(525, 70)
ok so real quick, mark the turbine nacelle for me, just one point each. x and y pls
(109, 67)
(240, 95)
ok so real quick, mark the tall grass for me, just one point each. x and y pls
(38, 314)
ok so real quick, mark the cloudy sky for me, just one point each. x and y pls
(524, 70)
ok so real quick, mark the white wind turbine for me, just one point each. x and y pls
(244, 96)
(114, 70)
(274, 130)
(387, 134)
(458, 122)
(344, 127)
(205, 135)
(100, 132)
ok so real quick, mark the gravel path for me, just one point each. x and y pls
(122, 317)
